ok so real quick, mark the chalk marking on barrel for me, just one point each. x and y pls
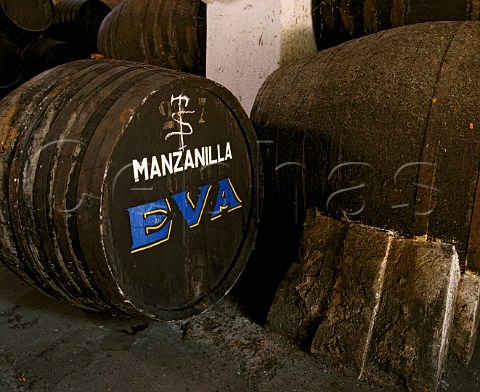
(181, 110)
(202, 102)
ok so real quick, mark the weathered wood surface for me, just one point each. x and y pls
(25, 20)
(171, 34)
(382, 130)
(336, 21)
(378, 305)
(467, 318)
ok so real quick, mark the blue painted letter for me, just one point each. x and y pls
(192, 213)
(149, 225)
(227, 199)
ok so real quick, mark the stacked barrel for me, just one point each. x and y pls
(336, 21)
(168, 33)
(11, 63)
(19, 24)
(46, 34)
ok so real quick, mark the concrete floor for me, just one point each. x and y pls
(50, 346)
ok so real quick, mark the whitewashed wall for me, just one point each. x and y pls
(248, 39)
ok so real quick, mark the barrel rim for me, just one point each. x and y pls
(246, 243)
(28, 29)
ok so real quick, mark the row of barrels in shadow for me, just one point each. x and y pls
(11, 63)
(24, 21)
(127, 188)
(170, 34)
(17, 65)
(78, 21)
(68, 32)
(383, 130)
(336, 21)
(72, 20)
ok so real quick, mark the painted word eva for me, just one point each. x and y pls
(151, 225)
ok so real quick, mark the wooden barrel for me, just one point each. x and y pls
(22, 20)
(112, 3)
(127, 187)
(47, 53)
(336, 21)
(78, 21)
(384, 130)
(11, 62)
(170, 33)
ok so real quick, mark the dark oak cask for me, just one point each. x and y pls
(336, 21)
(11, 63)
(46, 53)
(169, 33)
(127, 187)
(383, 130)
(78, 21)
(26, 19)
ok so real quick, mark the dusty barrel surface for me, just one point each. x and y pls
(336, 21)
(127, 187)
(382, 130)
(78, 21)
(11, 62)
(171, 34)
(25, 19)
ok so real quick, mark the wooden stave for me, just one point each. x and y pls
(167, 36)
(336, 21)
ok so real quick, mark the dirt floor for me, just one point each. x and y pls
(50, 346)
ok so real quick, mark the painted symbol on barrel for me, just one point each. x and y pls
(151, 223)
(177, 117)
